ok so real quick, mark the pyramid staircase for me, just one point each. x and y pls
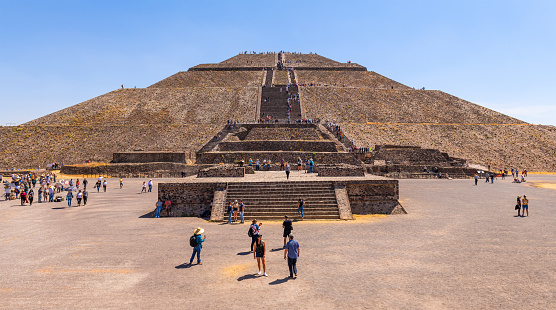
(273, 200)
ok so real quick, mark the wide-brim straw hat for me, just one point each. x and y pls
(198, 231)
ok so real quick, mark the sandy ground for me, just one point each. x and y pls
(460, 247)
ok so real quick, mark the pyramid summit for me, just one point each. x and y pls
(184, 111)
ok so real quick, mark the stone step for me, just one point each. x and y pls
(296, 217)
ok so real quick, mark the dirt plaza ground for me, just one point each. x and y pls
(459, 247)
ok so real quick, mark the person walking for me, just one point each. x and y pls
(69, 197)
(144, 189)
(85, 195)
(254, 229)
(300, 207)
(525, 205)
(260, 253)
(230, 212)
(291, 252)
(23, 197)
(40, 193)
(150, 185)
(104, 184)
(79, 198)
(121, 183)
(518, 205)
(30, 196)
(476, 177)
(158, 208)
(199, 245)
(288, 227)
(287, 171)
(241, 211)
(85, 184)
(282, 164)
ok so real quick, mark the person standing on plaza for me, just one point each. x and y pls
(287, 171)
(85, 195)
(40, 193)
(158, 208)
(282, 166)
(235, 209)
(168, 206)
(69, 197)
(144, 189)
(291, 252)
(241, 211)
(476, 177)
(288, 227)
(300, 207)
(230, 212)
(121, 183)
(30, 196)
(104, 184)
(260, 253)
(518, 205)
(525, 205)
(197, 248)
(79, 198)
(254, 229)
(85, 184)
(150, 185)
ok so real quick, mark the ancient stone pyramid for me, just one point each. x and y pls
(183, 111)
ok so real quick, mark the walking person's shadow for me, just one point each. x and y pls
(184, 266)
(280, 281)
(246, 277)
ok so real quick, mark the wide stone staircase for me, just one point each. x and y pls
(273, 200)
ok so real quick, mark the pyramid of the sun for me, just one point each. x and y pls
(185, 110)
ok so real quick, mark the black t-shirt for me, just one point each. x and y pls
(287, 225)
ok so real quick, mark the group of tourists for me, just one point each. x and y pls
(522, 204)
(234, 208)
(144, 187)
(167, 204)
(284, 165)
(258, 246)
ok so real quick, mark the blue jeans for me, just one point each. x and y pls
(69, 202)
(196, 250)
(292, 265)
(150, 188)
(50, 197)
(230, 217)
(300, 211)
(253, 240)
(241, 217)
(158, 211)
(310, 169)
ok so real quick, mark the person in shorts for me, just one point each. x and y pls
(288, 227)
(259, 254)
(525, 205)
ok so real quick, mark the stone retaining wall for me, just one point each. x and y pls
(222, 171)
(374, 197)
(149, 157)
(340, 170)
(188, 199)
(291, 157)
(307, 146)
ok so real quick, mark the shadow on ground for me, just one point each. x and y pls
(246, 277)
(185, 266)
(280, 281)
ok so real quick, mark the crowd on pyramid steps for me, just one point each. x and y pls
(351, 146)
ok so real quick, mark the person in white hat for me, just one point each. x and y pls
(198, 244)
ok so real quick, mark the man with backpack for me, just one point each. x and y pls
(254, 232)
(196, 242)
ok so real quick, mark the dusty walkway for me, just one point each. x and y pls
(460, 246)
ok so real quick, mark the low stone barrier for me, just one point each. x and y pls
(222, 171)
(340, 170)
(148, 157)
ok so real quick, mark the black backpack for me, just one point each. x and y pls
(250, 232)
(193, 241)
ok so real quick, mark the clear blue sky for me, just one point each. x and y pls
(498, 54)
